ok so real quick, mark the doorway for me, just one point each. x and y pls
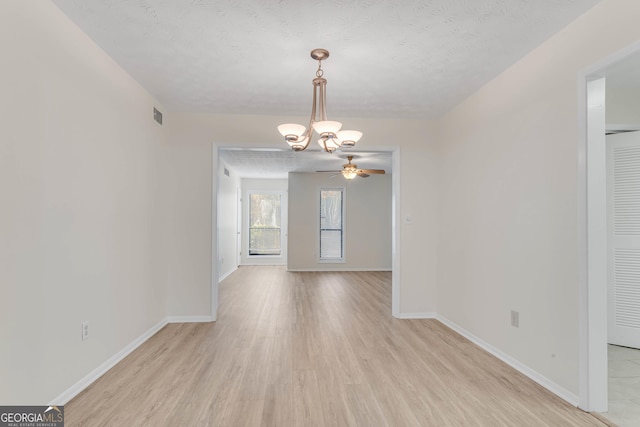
(623, 265)
(218, 168)
(623, 240)
(593, 220)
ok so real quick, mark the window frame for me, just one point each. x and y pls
(341, 259)
(249, 255)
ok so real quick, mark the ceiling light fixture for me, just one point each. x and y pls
(349, 173)
(331, 137)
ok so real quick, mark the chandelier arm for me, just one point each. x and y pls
(322, 85)
(308, 132)
(328, 130)
(307, 135)
(323, 99)
(314, 102)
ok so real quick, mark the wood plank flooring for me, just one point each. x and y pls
(314, 349)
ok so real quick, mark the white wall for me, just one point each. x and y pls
(82, 205)
(277, 185)
(623, 104)
(367, 222)
(228, 250)
(191, 187)
(509, 198)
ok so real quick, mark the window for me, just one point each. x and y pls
(265, 235)
(332, 224)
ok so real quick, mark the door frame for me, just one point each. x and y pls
(239, 223)
(592, 236)
(593, 250)
(395, 229)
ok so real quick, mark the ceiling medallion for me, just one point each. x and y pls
(331, 137)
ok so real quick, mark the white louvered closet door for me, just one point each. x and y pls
(623, 227)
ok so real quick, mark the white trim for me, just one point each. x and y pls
(85, 382)
(247, 258)
(592, 360)
(520, 367)
(266, 262)
(345, 270)
(92, 376)
(583, 264)
(215, 250)
(224, 276)
(395, 233)
(190, 319)
(407, 316)
(343, 212)
(593, 217)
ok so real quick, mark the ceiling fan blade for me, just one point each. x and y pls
(330, 171)
(362, 174)
(372, 171)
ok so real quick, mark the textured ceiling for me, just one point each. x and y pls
(276, 164)
(391, 58)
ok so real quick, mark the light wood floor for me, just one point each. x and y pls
(298, 349)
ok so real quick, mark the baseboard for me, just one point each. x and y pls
(225, 275)
(415, 316)
(331, 270)
(85, 382)
(189, 319)
(75, 389)
(523, 369)
(264, 262)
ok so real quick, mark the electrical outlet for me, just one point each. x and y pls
(85, 330)
(515, 319)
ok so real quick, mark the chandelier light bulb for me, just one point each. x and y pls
(349, 137)
(327, 127)
(329, 144)
(291, 130)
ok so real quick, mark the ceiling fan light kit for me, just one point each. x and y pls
(331, 138)
(349, 174)
(350, 170)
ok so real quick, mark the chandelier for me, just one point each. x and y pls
(331, 137)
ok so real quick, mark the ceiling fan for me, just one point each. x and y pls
(350, 170)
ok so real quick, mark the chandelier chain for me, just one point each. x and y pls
(320, 72)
